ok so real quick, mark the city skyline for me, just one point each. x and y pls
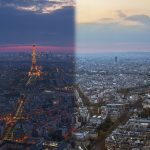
(75, 75)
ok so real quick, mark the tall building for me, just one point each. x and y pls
(34, 70)
(116, 59)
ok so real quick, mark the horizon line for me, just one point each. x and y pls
(28, 48)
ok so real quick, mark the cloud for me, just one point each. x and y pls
(126, 20)
(36, 6)
(121, 14)
(106, 21)
(140, 19)
(144, 19)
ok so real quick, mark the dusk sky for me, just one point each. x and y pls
(113, 25)
(101, 25)
(47, 23)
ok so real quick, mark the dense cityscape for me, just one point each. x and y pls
(56, 101)
(115, 91)
(37, 103)
(74, 75)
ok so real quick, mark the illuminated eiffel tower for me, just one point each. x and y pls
(34, 70)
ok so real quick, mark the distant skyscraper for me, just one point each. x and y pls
(116, 59)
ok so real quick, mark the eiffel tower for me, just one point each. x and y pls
(34, 70)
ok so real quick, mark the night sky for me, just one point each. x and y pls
(47, 23)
